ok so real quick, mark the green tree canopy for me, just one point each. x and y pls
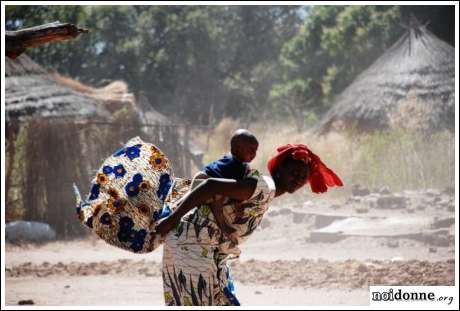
(202, 63)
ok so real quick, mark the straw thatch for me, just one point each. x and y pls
(410, 86)
(30, 92)
(58, 131)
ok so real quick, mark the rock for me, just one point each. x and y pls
(359, 191)
(67, 286)
(397, 259)
(384, 190)
(443, 232)
(285, 211)
(325, 237)
(442, 241)
(353, 199)
(436, 199)
(369, 200)
(258, 292)
(362, 268)
(298, 217)
(391, 202)
(334, 206)
(432, 192)
(421, 207)
(273, 213)
(325, 220)
(32, 231)
(26, 302)
(443, 223)
(432, 249)
(437, 238)
(445, 203)
(393, 243)
(361, 209)
(265, 223)
(449, 190)
(409, 193)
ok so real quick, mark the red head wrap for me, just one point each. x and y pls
(320, 176)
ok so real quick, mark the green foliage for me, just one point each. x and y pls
(204, 63)
(196, 63)
(332, 47)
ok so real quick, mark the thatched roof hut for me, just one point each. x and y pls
(59, 130)
(30, 92)
(410, 86)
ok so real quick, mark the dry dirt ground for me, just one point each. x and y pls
(311, 253)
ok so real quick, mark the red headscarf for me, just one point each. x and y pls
(320, 176)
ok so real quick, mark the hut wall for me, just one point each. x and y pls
(59, 152)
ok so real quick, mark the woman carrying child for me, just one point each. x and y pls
(196, 251)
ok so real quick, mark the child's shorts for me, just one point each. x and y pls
(132, 192)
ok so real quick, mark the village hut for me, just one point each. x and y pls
(410, 86)
(58, 131)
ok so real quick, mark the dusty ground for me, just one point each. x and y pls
(314, 253)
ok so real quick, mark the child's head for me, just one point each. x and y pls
(244, 145)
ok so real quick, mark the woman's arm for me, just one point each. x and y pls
(235, 189)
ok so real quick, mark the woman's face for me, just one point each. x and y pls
(293, 175)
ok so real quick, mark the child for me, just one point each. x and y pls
(243, 147)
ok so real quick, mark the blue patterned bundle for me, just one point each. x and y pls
(132, 191)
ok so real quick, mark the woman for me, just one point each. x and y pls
(195, 270)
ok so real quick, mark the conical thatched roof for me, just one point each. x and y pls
(411, 85)
(32, 93)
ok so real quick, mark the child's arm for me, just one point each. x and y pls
(238, 190)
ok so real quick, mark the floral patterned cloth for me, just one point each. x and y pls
(135, 189)
(196, 253)
(131, 192)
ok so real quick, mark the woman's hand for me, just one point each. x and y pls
(227, 230)
(238, 209)
(166, 226)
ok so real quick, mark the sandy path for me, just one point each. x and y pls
(280, 264)
(105, 290)
(280, 282)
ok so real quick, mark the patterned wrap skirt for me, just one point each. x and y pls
(196, 254)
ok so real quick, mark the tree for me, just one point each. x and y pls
(334, 45)
(201, 63)
(195, 63)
